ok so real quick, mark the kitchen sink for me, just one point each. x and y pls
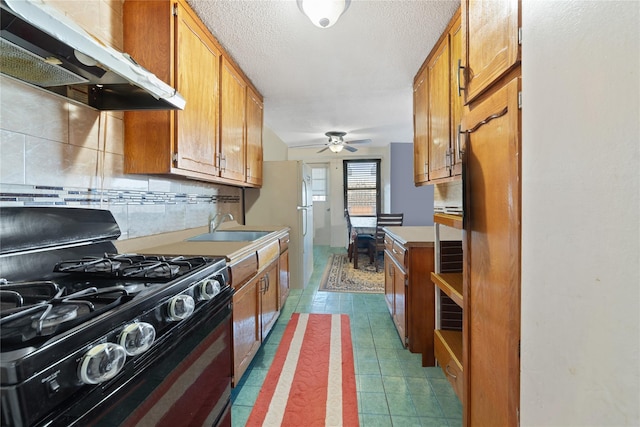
(229, 236)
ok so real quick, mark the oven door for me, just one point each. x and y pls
(185, 379)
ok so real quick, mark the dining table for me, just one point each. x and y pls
(361, 225)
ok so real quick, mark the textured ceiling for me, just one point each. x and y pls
(356, 76)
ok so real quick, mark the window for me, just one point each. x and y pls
(362, 187)
(319, 184)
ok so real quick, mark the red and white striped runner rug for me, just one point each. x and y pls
(311, 381)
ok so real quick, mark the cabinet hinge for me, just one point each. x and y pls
(175, 9)
(520, 36)
(520, 100)
(175, 158)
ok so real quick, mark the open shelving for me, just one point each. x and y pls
(448, 343)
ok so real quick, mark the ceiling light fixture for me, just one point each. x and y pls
(336, 148)
(323, 13)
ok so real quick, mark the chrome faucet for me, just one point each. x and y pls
(213, 225)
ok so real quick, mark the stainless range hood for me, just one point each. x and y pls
(42, 47)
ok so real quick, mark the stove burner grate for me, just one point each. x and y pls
(54, 316)
(23, 323)
(89, 265)
(151, 270)
(132, 266)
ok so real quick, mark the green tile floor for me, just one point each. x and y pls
(393, 387)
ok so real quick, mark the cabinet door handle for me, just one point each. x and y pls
(478, 125)
(455, 377)
(460, 67)
(458, 146)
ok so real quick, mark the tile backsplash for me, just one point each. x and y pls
(53, 152)
(138, 213)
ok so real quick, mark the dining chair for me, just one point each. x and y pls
(376, 246)
(358, 243)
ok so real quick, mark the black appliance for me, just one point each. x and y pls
(93, 337)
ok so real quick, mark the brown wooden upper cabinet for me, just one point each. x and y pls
(494, 49)
(438, 109)
(254, 137)
(233, 101)
(420, 129)
(208, 139)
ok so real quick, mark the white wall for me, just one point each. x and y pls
(580, 213)
(273, 148)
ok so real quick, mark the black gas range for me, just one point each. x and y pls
(92, 337)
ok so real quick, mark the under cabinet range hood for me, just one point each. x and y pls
(42, 47)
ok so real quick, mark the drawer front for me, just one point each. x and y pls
(388, 243)
(399, 252)
(452, 370)
(284, 243)
(267, 254)
(240, 271)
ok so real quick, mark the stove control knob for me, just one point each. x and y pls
(101, 363)
(136, 338)
(181, 307)
(209, 288)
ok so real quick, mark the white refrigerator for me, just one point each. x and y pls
(286, 199)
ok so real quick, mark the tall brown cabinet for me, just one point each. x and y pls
(481, 140)
(492, 223)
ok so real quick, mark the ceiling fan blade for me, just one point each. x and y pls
(324, 149)
(352, 149)
(359, 141)
(319, 144)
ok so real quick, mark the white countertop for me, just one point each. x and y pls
(422, 235)
(174, 243)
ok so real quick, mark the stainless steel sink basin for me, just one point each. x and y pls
(229, 236)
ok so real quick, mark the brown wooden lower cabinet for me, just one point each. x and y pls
(268, 292)
(395, 283)
(284, 272)
(409, 291)
(259, 280)
(246, 320)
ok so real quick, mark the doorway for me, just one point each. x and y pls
(321, 204)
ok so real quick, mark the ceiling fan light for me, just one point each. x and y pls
(323, 13)
(336, 148)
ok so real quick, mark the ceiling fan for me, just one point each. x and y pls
(336, 142)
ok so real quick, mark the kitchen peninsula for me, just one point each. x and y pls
(409, 258)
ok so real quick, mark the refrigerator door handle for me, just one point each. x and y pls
(306, 222)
